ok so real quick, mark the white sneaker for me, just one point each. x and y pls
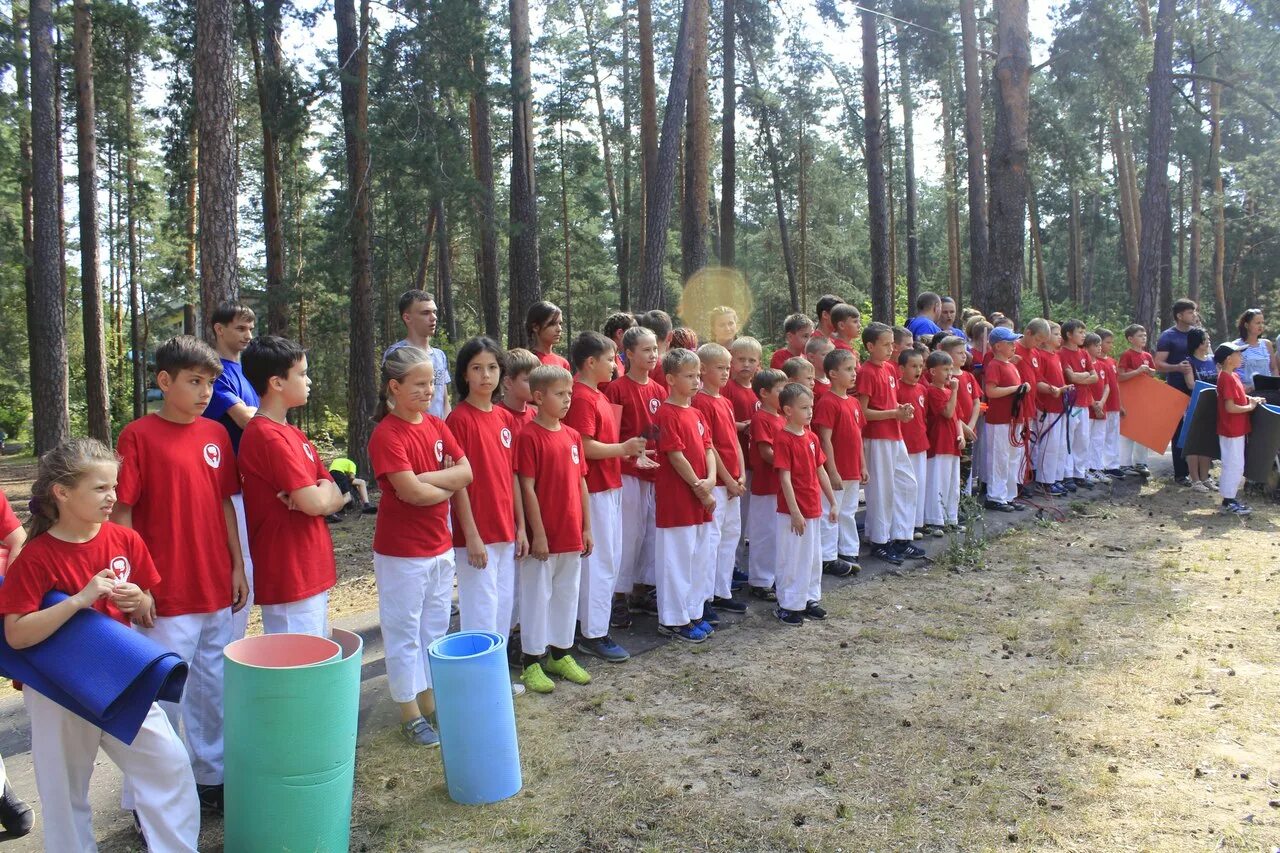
(1201, 486)
(1211, 483)
(517, 689)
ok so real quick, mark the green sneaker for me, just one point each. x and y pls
(536, 680)
(568, 669)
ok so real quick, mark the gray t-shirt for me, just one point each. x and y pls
(440, 363)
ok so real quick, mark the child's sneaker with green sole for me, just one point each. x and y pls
(568, 669)
(536, 680)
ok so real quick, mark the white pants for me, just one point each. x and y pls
(943, 504)
(1232, 450)
(890, 491)
(308, 616)
(840, 537)
(981, 454)
(799, 560)
(1078, 443)
(199, 639)
(722, 542)
(240, 619)
(1097, 443)
(919, 467)
(63, 750)
(415, 595)
(761, 568)
(1111, 443)
(1006, 464)
(600, 568)
(486, 597)
(1132, 453)
(638, 534)
(1050, 454)
(548, 601)
(683, 579)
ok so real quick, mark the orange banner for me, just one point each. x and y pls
(1152, 411)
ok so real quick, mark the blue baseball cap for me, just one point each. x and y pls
(1002, 335)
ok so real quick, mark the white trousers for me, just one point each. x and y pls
(1232, 450)
(841, 536)
(486, 597)
(890, 490)
(722, 542)
(415, 595)
(1097, 443)
(1006, 464)
(943, 504)
(1132, 453)
(761, 568)
(240, 619)
(638, 534)
(548, 601)
(981, 453)
(1078, 443)
(308, 616)
(683, 580)
(919, 467)
(1111, 443)
(799, 562)
(64, 748)
(1050, 449)
(600, 568)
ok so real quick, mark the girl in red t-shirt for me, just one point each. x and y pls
(545, 324)
(74, 549)
(420, 466)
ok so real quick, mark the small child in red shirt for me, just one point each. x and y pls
(1112, 409)
(1097, 408)
(802, 486)
(685, 503)
(551, 462)
(1004, 385)
(1135, 361)
(1234, 425)
(838, 422)
(946, 443)
(1077, 367)
(915, 433)
(815, 352)
(514, 394)
(746, 353)
(288, 537)
(801, 371)
(797, 329)
(846, 322)
(765, 424)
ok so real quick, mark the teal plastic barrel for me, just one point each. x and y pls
(292, 706)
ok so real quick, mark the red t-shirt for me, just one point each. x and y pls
(1050, 373)
(745, 402)
(405, 530)
(1028, 369)
(47, 563)
(1132, 359)
(658, 374)
(591, 414)
(780, 357)
(943, 430)
(639, 407)
(556, 462)
(879, 383)
(680, 428)
(488, 440)
(1106, 380)
(764, 426)
(970, 392)
(840, 343)
(843, 416)
(915, 432)
(801, 455)
(8, 523)
(553, 360)
(1078, 361)
(1230, 425)
(522, 417)
(1001, 374)
(619, 367)
(718, 414)
(164, 465)
(292, 551)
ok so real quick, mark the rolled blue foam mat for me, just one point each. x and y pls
(292, 703)
(1191, 411)
(1263, 444)
(1202, 437)
(98, 669)
(476, 716)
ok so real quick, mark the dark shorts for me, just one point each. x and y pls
(342, 481)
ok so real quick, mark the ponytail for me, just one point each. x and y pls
(62, 466)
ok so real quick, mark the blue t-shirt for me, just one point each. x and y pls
(440, 366)
(959, 334)
(1174, 343)
(1206, 369)
(920, 326)
(1255, 361)
(229, 389)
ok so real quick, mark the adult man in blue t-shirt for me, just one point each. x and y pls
(1171, 360)
(926, 320)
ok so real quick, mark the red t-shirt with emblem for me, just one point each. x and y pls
(1001, 374)
(1132, 359)
(970, 393)
(639, 408)
(1028, 369)
(843, 416)
(879, 384)
(1050, 373)
(915, 432)
(556, 462)
(745, 402)
(680, 428)
(764, 426)
(1078, 361)
(47, 563)
(488, 440)
(522, 417)
(165, 465)
(591, 414)
(780, 357)
(943, 430)
(801, 455)
(1107, 368)
(405, 530)
(717, 412)
(1230, 424)
(553, 360)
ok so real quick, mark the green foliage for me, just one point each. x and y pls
(15, 407)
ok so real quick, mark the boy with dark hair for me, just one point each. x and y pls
(915, 436)
(846, 322)
(615, 326)
(659, 322)
(514, 394)
(822, 311)
(1234, 425)
(928, 306)
(946, 443)
(1077, 367)
(797, 328)
(418, 312)
(765, 423)
(1134, 362)
(838, 421)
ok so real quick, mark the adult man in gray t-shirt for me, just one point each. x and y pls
(420, 315)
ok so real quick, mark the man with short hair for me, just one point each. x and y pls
(928, 306)
(1171, 360)
(947, 318)
(420, 315)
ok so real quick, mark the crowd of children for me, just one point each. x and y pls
(642, 474)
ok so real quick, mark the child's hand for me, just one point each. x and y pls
(905, 412)
(837, 485)
(833, 514)
(646, 462)
(1096, 408)
(587, 543)
(633, 446)
(286, 499)
(1123, 412)
(539, 549)
(477, 556)
(953, 383)
(866, 478)
(969, 434)
(446, 463)
(99, 586)
(1148, 370)
(709, 502)
(239, 589)
(128, 597)
(961, 443)
(522, 543)
(797, 523)
(734, 488)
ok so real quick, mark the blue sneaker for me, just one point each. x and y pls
(604, 648)
(685, 633)
(1057, 490)
(1069, 485)
(705, 627)
(419, 732)
(788, 617)
(739, 579)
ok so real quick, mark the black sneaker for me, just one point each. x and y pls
(837, 568)
(764, 593)
(1115, 473)
(369, 509)
(1069, 484)
(887, 553)
(619, 615)
(16, 817)
(644, 603)
(998, 506)
(813, 610)
(852, 562)
(911, 552)
(1083, 483)
(210, 797)
(335, 518)
(788, 617)
(728, 605)
(1183, 481)
(709, 615)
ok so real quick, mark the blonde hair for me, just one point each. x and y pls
(748, 343)
(542, 377)
(396, 366)
(62, 466)
(796, 367)
(708, 353)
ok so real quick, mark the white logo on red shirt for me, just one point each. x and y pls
(1035, 362)
(306, 448)
(212, 455)
(812, 451)
(439, 450)
(573, 452)
(120, 568)
(700, 430)
(920, 400)
(506, 437)
(893, 383)
(758, 404)
(653, 405)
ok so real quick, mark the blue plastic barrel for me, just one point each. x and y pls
(476, 716)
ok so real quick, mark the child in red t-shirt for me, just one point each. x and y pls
(544, 324)
(1134, 362)
(288, 491)
(1097, 408)
(514, 394)
(592, 416)
(1234, 425)
(659, 323)
(1077, 367)
(552, 465)
(172, 458)
(846, 322)
(1003, 383)
(1112, 409)
(747, 354)
(802, 486)
(946, 443)
(76, 550)
(815, 352)
(765, 424)
(797, 329)
(685, 503)
(915, 433)
(838, 422)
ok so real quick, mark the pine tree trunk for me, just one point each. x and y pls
(1155, 195)
(1037, 250)
(1219, 209)
(909, 168)
(979, 292)
(593, 55)
(697, 144)
(22, 63)
(877, 215)
(1193, 253)
(952, 195)
(624, 263)
(890, 185)
(728, 142)
(266, 76)
(97, 406)
(191, 237)
(216, 122)
(1129, 225)
(483, 201)
(1009, 158)
(137, 346)
(567, 305)
(648, 121)
(525, 284)
(62, 183)
(775, 173)
(803, 193)
(424, 258)
(1075, 292)
(444, 272)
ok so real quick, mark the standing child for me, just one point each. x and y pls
(1234, 424)
(797, 329)
(747, 354)
(177, 458)
(847, 321)
(1134, 362)
(815, 352)
(915, 435)
(1112, 409)
(1077, 367)
(515, 395)
(545, 324)
(1051, 397)
(551, 463)
(685, 503)
(946, 443)
(1205, 369)
(801, 371)
(615, 326)
(1004, 388)
(659, 322)
(802, 486)
(591, 415)
(76, 550)
(839, 422)
(765, 423)
(1097, 409)
(288, 538)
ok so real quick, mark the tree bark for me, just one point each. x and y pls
(1037, 250)
(353, 68)
(978, 288)
(624, 263)
(1075, 293)
(266, 76)
(877, 215)
(216, 118)
(1193, 252)
(949, 180)
(728, 141)
(1009, 158)
(525, 284)
(97, 406)
(1155, 195)
(190, 235)
(483, 201)
(909, 167)
(1130, 224)
(1219, 209)
(444, 272)
(648, 119)
(564, 229)
(775, 173)
(137, 344)
(697, 144)
(22, 66)
(593, 55)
